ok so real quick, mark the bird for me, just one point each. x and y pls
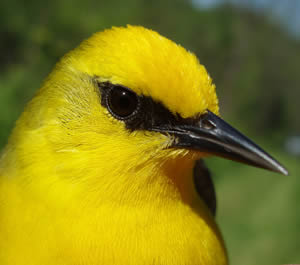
(105, 164)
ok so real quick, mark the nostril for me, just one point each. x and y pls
(207, 124)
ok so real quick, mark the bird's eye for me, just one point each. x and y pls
(121, 102)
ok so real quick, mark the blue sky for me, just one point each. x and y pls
(287, 12)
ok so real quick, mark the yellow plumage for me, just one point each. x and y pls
(78, 187)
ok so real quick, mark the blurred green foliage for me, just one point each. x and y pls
(254, 63)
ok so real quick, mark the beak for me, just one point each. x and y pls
(213, 135)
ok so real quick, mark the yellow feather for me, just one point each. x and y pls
(76, 187)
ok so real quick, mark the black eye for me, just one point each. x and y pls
(121, 102)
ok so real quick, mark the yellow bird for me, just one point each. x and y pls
(101, 166)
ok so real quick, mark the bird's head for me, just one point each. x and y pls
(128, 99)
(144, 85)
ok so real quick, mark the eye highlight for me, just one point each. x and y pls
(121, 102)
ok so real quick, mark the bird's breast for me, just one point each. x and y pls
(166, 234)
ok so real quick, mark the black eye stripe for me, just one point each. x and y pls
(148, 114)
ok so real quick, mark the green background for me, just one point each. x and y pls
(254, 63)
